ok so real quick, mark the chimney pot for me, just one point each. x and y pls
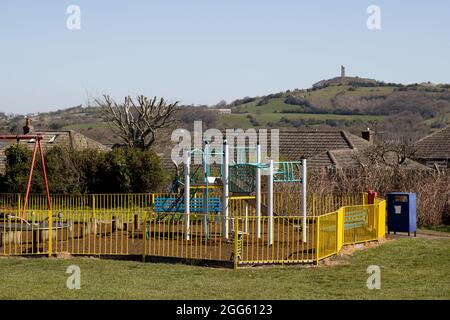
(28, 128)
(367, 135)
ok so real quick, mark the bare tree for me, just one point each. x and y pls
(386, 154)
(137, 123)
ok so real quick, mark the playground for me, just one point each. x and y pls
(222, 209)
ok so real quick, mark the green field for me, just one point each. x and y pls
(240, 120)
(410, 269)
(276, 108)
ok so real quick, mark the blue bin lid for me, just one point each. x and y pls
(402, 193)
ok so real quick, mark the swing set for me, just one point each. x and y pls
(22, 224)
(37, 139)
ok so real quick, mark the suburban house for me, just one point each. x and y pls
(331, 149)
(434, 150)
(61, 138)
(320, 148)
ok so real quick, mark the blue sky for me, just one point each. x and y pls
(203, 51)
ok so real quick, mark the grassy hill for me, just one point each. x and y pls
(391, 109)
(352, 104)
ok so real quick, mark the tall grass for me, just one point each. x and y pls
(432, 188)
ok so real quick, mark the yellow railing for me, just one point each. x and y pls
(286, 246)
(126, 225)
(75, 232)
(287, 204)
(350, 225)
(330, 202)
(327, 235)
(284, 203)
(200, 239)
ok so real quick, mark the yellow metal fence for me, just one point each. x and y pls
(126, 225)
(284, 203)
(350, 225)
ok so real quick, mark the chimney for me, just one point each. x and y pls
(28, 128)
(367, 135)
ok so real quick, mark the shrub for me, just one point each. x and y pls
(18, 160)
(262, 102)
(121, 170)
(292, 100)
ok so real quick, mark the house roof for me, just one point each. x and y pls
(296, 144)
(344, 159)
(71, 139)
(322, 149)
(434, 146)
(168, 164)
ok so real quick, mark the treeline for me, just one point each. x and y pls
(188, 114)
(334, 123)
(422, 103)
(121, 170)
(399, 126)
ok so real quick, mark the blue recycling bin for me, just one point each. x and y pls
(401, 207)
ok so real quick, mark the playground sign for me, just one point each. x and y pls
(356, 218)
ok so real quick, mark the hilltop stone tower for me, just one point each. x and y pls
(342, 72)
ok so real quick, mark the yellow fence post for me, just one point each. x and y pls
(50, 233)
(317, 239)
(340, 229)
(18, 205)
(93, 206)
(144, 236)
(313, 206)
(381, 230)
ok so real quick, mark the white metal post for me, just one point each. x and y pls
(187, 200)
(206, 191)
(258, 191)
(270, 202)
(304, 185)
(225, 181)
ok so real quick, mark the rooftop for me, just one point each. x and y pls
(434, 146)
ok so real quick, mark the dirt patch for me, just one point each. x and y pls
(343, 257)
(63, 255)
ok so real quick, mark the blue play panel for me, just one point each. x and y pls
(177, 205)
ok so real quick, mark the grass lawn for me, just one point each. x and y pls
(410, 269)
